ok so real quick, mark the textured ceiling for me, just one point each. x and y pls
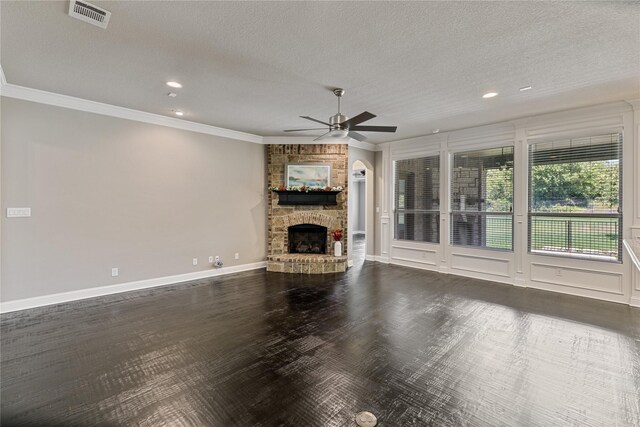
(257, 66)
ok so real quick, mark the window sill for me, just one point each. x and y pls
(577, 256)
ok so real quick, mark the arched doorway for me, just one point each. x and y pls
(360, 211)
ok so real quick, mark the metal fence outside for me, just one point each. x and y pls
(596, 235)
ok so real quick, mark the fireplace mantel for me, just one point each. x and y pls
(286, 197)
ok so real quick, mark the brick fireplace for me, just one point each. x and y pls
(309, 252)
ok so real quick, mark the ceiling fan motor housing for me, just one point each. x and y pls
(336, 120)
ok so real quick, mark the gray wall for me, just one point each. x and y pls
(361, 203)
(107, 192)
(359, 206)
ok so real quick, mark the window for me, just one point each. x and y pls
(575, 197)
(417, 199)
(482, 198)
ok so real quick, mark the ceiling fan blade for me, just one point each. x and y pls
(315, 120)
(375, 128)
(322, 136)
(362, 117)
(357, 136)
(300, 130)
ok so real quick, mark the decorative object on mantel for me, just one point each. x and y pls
(306, 195)
(337, 245)
(308, 175)
(305, 189)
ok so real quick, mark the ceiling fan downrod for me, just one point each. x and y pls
(338, 118)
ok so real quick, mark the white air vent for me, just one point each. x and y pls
(89, 13)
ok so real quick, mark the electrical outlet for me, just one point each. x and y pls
(114, 272)
(237, 255)
(195, 261)
(18, 212)
(211, 258)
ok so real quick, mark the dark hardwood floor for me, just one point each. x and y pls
(271, 349)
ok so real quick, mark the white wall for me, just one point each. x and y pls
(108, 192)
(603, 280)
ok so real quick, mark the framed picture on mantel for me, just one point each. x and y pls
(308, 174)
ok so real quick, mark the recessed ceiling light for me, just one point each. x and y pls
(522, 89)
(179, 113)
(172, 94)
(174, 84)
(435, 131)
(490, 95)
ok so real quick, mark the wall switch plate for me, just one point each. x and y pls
(114, 272)
(18, 212)
(195, 261)
(211, 259)
(237, 255)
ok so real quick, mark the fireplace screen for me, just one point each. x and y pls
(307, 239)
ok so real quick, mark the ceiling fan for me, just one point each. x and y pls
(341, 126)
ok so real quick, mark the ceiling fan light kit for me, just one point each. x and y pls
(339, 133)
(341, 126)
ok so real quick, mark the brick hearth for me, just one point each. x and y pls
(305, 263)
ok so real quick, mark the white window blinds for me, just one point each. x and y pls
(482, 198)
(575, 197)
(417, 199)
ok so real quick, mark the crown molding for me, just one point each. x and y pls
(43, 97)
(64, 101)
(362, 145)
(310, 140)
(635, 103)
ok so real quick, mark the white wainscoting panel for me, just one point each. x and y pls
(385, 233)
(580, 278)
(414, 255)
(481, 264)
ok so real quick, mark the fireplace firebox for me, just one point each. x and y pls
(307, 239)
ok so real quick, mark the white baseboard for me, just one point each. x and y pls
(377, 258)
(24, 304)
(634, 302)
(519, 282)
